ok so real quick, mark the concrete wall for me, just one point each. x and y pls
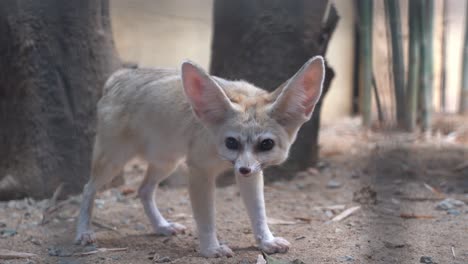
(162, 33)
(455, 27)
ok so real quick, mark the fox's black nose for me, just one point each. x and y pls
(244, 170)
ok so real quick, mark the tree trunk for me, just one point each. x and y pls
(55, 57)
(265, 43)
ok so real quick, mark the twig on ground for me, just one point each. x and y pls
(331, 207)
(414, 216)
(48, 213)
(9, 254)
(261, 260)
(345, 213)
(303, 219)
(274, 221)
(461, 166)
(56, 195)
(434, 190)
(104, 226)
(99, 250)
(421, 199)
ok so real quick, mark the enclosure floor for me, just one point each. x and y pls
(397, 180)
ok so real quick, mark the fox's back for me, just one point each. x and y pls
(145, 108)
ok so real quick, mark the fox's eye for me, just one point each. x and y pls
(266, 144)
(231, 143)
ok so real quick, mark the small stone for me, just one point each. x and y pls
(333, 184)
(163, 260)
(58, 252)
(355, 175)
(453, 212)
(35, 241)
(91, 247)
(329, 213)
(244, 261)
(347, 258)
(8, 232)
(2, 225)
(99, 203)
(426, 260)
(140, 227)
(449, 203)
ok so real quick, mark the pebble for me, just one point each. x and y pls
(8, 232)
(448, 204)
(347, 258)
(453, 212)
(99, 203)
(140, 227)
(333, 184)
(244, 261)
(163, 260)
(329, 213)
(426, 260)
(58, 252)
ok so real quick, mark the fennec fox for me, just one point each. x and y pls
(166, 116)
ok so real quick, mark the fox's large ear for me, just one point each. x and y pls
(209, 102)
(298, 97)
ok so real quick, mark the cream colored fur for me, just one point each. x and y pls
(166, 116)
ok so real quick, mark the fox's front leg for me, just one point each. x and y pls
(202, 192)
(251, 190)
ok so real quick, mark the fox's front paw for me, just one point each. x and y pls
(275, 245)
(85, 238)
(217, 252)
(170, 229)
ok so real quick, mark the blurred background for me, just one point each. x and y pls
(163, 33)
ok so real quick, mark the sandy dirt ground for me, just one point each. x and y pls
(398, 182)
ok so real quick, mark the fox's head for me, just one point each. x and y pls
(251, 127)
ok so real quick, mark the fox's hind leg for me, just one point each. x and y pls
(155, 174)
(105, 166)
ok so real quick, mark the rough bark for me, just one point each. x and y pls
(55, 56)
(265, 43)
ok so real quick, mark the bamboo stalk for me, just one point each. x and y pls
(427, 61)
(378, 103)
(463, 108)
(394, 20)
(414, 64)
(365, 8)
(443, 71)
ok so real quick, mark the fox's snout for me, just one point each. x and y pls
(246, 164)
